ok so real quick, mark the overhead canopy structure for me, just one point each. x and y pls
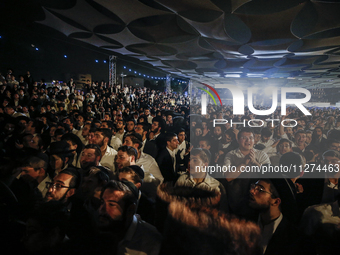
(211, 40)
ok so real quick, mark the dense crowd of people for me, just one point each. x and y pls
(101, 169)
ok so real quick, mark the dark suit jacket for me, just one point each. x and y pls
(165, 164)
(151, 149)
(285, 240)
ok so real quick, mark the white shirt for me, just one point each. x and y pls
(182, 147)
(235, 158)
(268, 230)
(109, 158)
(116, 142)
(209, 183)
(150, 165)
(173, 155)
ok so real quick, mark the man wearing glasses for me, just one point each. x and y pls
(271, 198)
(64, 186)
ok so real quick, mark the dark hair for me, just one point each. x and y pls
(169, 136)
(144, 125)
(129, 150)
(136, 138)
(283, 140)
(129, 197)
(266, 132)
(272, 189)
(136, 178)
(76, 178)
(109, 123)
(96, 148)
(34, 162)
(244, 130)
(106, 132)
(331, 153)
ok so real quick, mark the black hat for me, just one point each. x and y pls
(138, 170)
(287, 194)
(60, 148)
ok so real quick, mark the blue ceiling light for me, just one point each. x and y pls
(36, 48)
(139, 74)
(148, 76)
(97, 61)
(104, 61)
(151, 77)
(135, 71)
(129, 70)
(124, 67)
(65, 56)
(144, 75)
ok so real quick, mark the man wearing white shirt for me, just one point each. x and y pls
(102, 137)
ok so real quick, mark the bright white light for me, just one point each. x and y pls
(232, 75)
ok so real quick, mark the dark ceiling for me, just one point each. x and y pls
(295, 42)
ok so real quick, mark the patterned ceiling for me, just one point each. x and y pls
(209, 40)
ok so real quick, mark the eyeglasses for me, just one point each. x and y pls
(258, 188)
(56, 186)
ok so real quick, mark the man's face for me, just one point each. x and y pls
(80, 120)
(246, 141)
(120, 125)
(257, 138)
(217, 131)
(128, 142)
(139, 129)
(258, 199)
(265, 138)
(300, 138)
(335, 146)
(98, 139)
(196, 164)
(173, 144)
(318, 132)
(123, 159)
(29, 174)
(130, 126)
(289, 130)
(111, 209)
(60, 192)
(89, 158)
(147, 112)
(169, 118)
(284, 148)
(85, 130)
(181, 137)
(104, 125)
(155, 127)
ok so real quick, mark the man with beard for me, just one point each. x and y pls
(158, 126)
(90, 156)
(126, 156)
(117, 216)
(102, 138)
(64, 186)
(270, 198)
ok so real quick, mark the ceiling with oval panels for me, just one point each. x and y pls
(211, 40)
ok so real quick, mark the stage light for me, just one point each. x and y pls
(148, 76)
(144, 75)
